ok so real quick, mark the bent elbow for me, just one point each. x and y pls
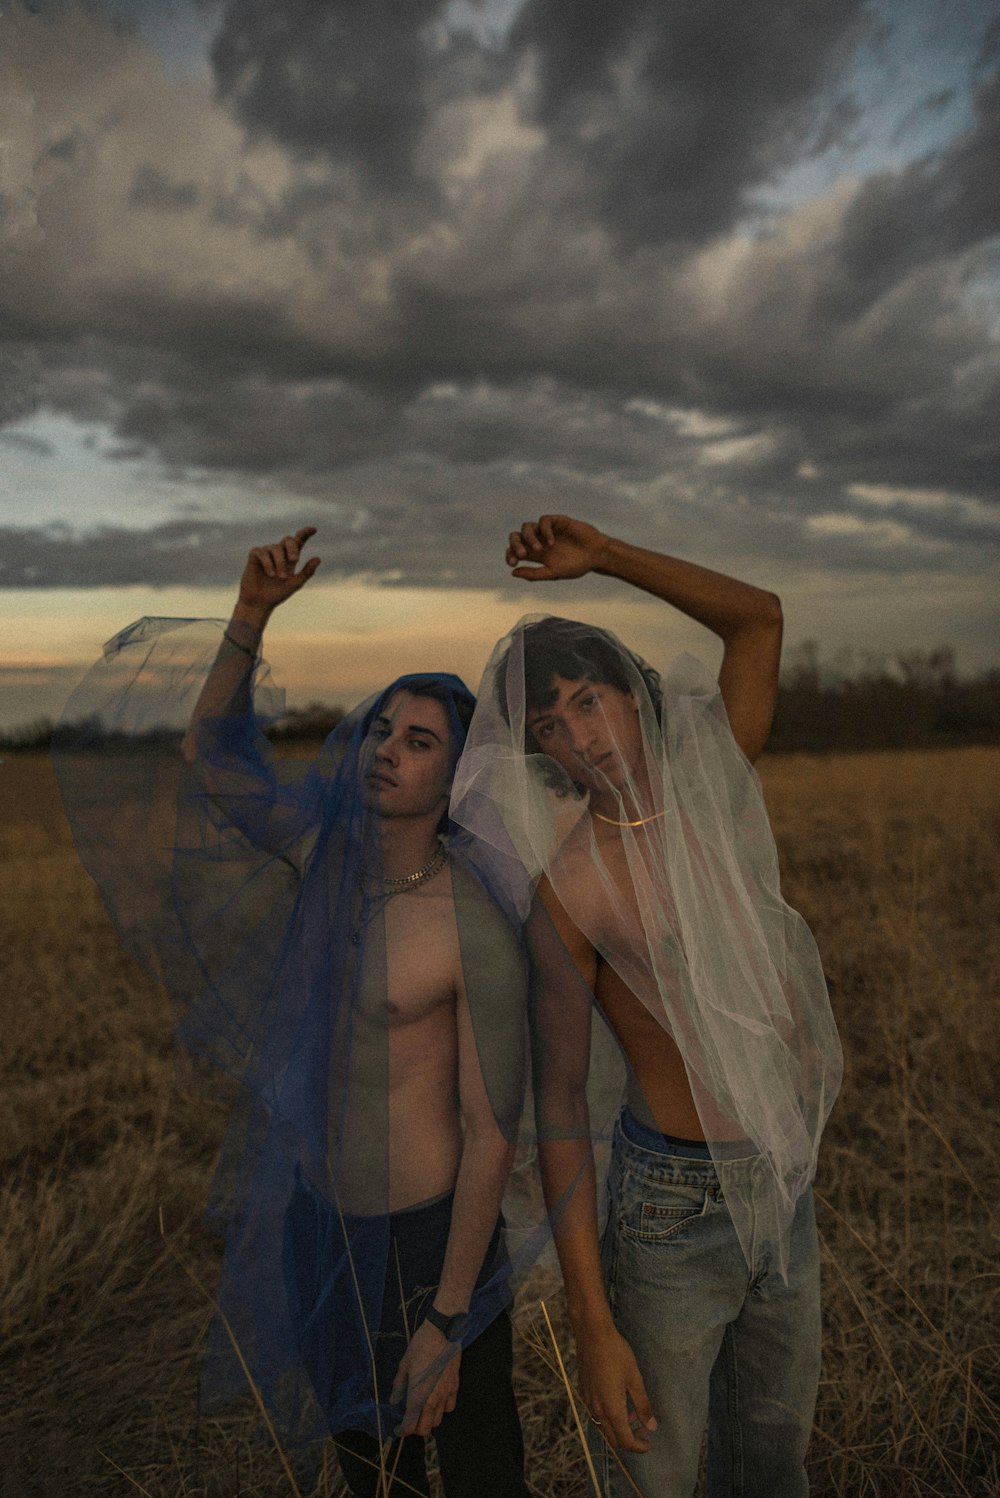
(771, 611)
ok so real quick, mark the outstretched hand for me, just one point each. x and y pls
(269, 576)
(554, 547)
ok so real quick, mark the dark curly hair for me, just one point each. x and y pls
(564, 647)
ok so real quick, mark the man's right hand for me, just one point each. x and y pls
(613, 1390)
(269, 576)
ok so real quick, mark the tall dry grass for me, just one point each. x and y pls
(894, 861)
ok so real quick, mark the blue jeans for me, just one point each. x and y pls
(714, 1339)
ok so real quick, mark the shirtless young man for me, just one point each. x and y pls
(702, 1303)
(412, 1119)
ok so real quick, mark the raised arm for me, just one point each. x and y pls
(269, 578)
(747, 619)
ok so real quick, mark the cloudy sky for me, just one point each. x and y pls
(723, 278)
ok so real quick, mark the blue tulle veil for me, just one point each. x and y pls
(238, 876)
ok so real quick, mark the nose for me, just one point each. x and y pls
(582, 737)
(387, 751)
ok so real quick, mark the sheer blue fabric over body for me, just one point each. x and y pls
(237, 876)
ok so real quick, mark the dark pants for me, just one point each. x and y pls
(479, 1444)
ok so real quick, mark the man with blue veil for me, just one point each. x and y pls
(332, 943)
(706, 1064)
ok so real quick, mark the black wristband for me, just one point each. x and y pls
(245, 648)
(451, 1327)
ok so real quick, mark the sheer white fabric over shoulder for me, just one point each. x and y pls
(626, 798)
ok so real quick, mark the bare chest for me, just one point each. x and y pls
(416, 970)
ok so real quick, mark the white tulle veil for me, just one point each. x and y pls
(686, 908)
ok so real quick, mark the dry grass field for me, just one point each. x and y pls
(892, 858)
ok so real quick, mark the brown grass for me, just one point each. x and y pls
(892, 858)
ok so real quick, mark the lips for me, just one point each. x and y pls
(378, 777)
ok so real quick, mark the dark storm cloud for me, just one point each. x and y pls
(673, 111)
(259, 425)
(659, 114)
(936, 207)
(338, 79)
(442, 280)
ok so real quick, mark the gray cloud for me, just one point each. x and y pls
(447, 281)
(338, 79)
(151, 188)
(937, 207)
(673, 111)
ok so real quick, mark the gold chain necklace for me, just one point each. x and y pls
(640, 823)
(419, 875)
(372, 904)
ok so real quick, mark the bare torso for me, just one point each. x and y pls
(402, 1141)
(625, 988)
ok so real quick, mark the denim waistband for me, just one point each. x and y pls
(661, 1144)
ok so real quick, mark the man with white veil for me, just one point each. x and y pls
(633, 803)
(328, 941)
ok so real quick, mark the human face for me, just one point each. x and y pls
(591, 730)
(410, 747)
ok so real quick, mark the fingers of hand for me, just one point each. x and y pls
(302, 536)
(430, 1417)
(516, 549)
(640, 1409)
(307, 572)
(534, 574)
(398, 1385)
(440, 1402)
(530, 536)
(421, 1415)
(622, 1434)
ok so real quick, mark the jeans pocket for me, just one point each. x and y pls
(659, 1215)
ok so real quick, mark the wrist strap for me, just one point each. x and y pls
(452, 1327)
(239, 646)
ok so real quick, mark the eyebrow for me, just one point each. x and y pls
(548, 712)
(413, 728)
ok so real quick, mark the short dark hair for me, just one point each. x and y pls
(563, 647)
(457, 705)
(456, 700)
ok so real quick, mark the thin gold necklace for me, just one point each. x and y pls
(640, 823)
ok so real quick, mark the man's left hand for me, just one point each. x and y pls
(428, 1378)
(555, 547)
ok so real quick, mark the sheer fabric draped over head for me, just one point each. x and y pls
(682, 901)
(245, 880)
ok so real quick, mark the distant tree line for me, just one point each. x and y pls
(299, 725)
(908, 700)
